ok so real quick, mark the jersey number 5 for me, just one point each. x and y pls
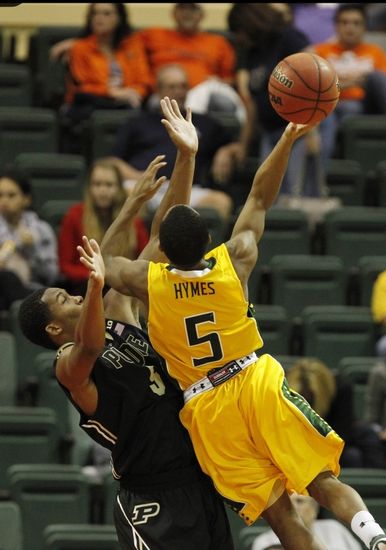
(212, 338)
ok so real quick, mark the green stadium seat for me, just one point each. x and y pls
(364, 140)
(346, 181)
(301, 280)
(369, 269)
(27, 434)
(369, 482)
(8, 368)
(352, 232)
(53, 176)
(274, 327)
(215, 225)
(102, 130)
(27, 130)
(333, 332)
(53, 211)
(80, 537)
(48, 494)
(380, 176)
(11, 528)
(110, 489)
(15, 86)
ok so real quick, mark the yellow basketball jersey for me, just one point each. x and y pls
(199, 320)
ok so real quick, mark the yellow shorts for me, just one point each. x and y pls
(255, 438)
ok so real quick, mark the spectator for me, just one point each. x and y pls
(208, 59)
(140, 141)
(361, 68)
(265, 36)
(103, 197)
(332, 397)
(330, 532)
(108, 67)
(378, 311)
(28, 248)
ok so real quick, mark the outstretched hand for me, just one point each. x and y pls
(181, 130)
(147, 185)
(91, 257)
(295, 131)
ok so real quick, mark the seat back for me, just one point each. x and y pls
(274, 327)
(48, 494)
(353, 232)
(53, 176)
(300, 280)
(102, 130)
(364, 140)
(215, 225)
(53, 211)
(11, 527)
(285, 230)
(8, 367)
(369, 269)
(15, 86)
(345, 180)
(333, 332)
(27, 434)
(26, 352)
(80, 537)
(24, 129)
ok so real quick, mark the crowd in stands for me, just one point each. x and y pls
(218, 75)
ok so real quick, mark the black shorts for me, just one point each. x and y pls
(191, 517)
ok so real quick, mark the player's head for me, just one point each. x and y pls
(183, 236)
(48, 316)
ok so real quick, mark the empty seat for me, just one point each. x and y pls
(80, 537)
(102, 130)
(298, 281)
(380, 176)
(8, 368)
(15, 86)
(215, 225)
(364, 140)
(286, 232)
(11, 528)
(53, 211)
(48, 494)
(23, 130)
(369, 269)
(345, 179)
(48, 75)
(26, 351)
(27, 434)
(274, 327)
(333, 332)
(369, 482)
(53, 176)
(352, 232)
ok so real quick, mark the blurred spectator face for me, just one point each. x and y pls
(104, 188)
(104, 19)
(188, 17)
(12, 199)
(173, 82)
(350, 28)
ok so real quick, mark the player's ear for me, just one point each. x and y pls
(53, 329)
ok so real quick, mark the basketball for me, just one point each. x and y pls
(303, 88)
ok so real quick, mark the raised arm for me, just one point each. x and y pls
(249, 227)
(75, 363)
(266, 182)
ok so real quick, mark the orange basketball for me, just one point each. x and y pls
(303, 88)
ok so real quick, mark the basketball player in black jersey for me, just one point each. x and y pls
(113, 377)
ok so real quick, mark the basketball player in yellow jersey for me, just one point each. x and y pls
(257, 439)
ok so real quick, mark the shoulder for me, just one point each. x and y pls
(84, 44)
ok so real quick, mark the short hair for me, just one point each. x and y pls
(19, 177)
(342, 8)
(184, 236)
(33, 316)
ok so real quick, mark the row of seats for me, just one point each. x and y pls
(33, 129)
(44, 496)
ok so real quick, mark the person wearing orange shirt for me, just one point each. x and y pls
(208, 59)
(107, 69)
(361, 68)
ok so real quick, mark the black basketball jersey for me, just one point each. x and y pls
(137, 416)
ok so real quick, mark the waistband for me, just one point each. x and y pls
(218, 376)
